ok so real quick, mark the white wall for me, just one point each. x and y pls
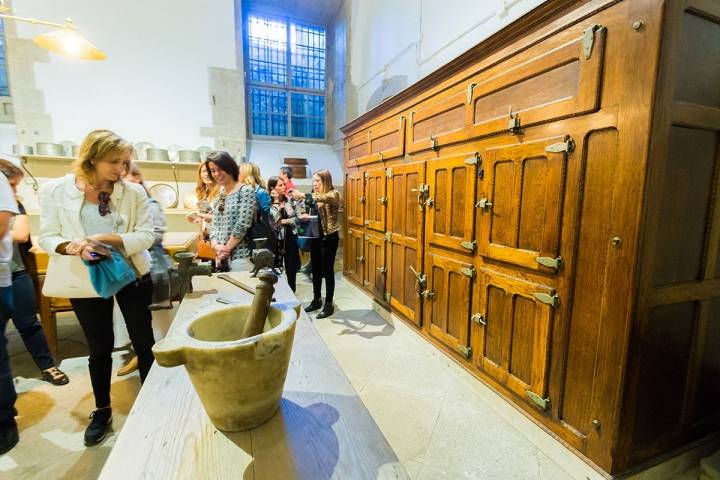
(393, 44)
(155, 84)
(269, 156)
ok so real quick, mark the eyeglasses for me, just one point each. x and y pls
(104, 205)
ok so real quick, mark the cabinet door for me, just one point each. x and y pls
(438, 121)
(405, 215)
(355, 198)
(358, 147)
(521, 203)
(512, 326)
(375, 269)
(386, 139)
(447, 301)
(450, 206)
(354, 258)
(375, 199)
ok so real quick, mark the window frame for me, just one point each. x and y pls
(287, 88)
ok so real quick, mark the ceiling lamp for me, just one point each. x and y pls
(66, 41)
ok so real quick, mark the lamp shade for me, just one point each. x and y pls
(70, 43)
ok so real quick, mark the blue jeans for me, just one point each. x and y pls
(26, 322)
(7, 388)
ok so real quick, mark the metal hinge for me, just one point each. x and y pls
(361, 259)
(474, 160)
(388, 236)
(429, 202)
(380, 157)
(367, 175)
(469, 245)
(366, 283)
(434, 143)
(465, 351)
(470, 89)
(429, 294)
(367, 237)
(549, 262)
(383, 270)
(543, 403)
(484, 203)
(468, 271)
(383, 200)
(367, 222)
(552, 300)
(388, 296)
(513, 122)
(589, 39)
(362, 199)
(412, 118)
(566, 146)
(479, 319)
(388, 172)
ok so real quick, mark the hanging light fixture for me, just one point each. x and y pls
(65, 41)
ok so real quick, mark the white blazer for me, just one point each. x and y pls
(60, 204)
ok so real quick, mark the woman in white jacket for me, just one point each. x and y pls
(90, 205)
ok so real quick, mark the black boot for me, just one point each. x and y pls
(314, 305)
(99, 422)
(326, 311)
(8, 437)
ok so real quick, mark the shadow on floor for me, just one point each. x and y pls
(357, 321)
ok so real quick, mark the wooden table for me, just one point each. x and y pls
(173, 242)
(321, 431)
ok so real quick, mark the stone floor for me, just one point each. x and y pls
(441, 422)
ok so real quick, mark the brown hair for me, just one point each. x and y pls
(202, 191)
(97, 145)
(325, 180)
(224, 162)
(10, 170)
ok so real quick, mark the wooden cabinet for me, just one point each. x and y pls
(521, 203)
(513, 321)
(450, 207)
(375, 269)
(407, 193)
(447, 301)
(375, 199)
(552, 221)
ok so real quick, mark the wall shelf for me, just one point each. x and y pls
(53, 167)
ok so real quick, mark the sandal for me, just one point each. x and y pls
(55, 376)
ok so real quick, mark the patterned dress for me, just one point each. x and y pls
(233, 214)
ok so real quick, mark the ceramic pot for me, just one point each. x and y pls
(239, 380)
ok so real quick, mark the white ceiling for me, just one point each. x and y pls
(320, 11)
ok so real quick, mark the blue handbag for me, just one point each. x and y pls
(111, 274)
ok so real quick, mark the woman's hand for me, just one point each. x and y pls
(297, 195)
(304, 216)
(222, 251)
(76, 247)
(88, 254)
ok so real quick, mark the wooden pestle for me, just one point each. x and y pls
(261, 304)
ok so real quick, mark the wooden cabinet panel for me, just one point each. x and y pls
(375, 199)
(405, 218)
(522, 196)
(440, 122)
(358, 146)
(374, 265)
(542, 85)
(387, 140)
(446, 309)
(355, 198)
(513, 323)
(354, 255)
(450, 206)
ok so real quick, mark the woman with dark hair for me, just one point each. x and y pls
(24, 312)
(284, 221)
(233, 214)
(323, 249)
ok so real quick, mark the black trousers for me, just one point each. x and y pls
(291, 258)
(96, 319)
(322, 262)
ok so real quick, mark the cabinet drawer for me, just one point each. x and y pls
(542, 86)
(358, 147)
(386, 140)
(441, 122)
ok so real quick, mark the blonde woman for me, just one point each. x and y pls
(326, 199)
(250, 175)
(94, 205)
